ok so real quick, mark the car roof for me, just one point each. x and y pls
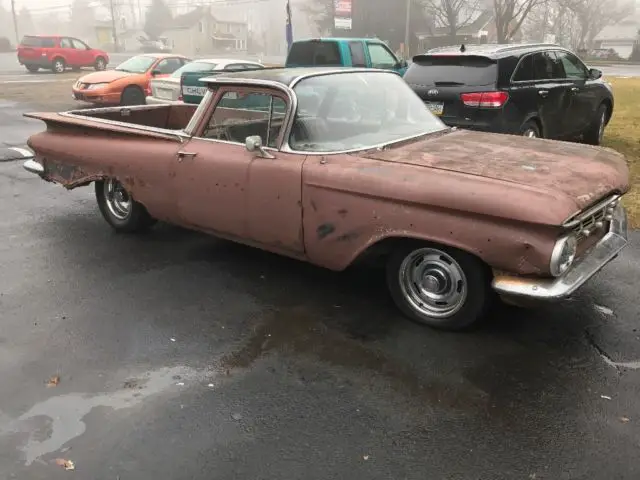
(338, 39)
(160, 55)
(226, 61)
(494, 51)
(285, 76)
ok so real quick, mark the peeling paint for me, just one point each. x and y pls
(325, 230)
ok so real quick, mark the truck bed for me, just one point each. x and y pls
(170, 117)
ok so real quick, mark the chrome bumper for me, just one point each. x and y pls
(582, 270)
(33, 167)
(150, 100)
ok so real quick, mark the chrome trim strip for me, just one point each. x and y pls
(577, 218)
(590, 263)
(32, 166)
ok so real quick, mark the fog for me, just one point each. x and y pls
(257, 27)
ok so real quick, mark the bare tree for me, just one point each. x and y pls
(591, 16)
(453, 14)
(509, 16)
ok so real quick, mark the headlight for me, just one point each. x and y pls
(563, 255)
(95, 86)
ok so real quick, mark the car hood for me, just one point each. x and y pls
(582, 173)
(107, 76)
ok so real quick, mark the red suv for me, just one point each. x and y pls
(56, 53)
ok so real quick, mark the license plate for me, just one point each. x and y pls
(197, 91)
(435, 107)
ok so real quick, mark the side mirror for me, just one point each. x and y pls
(595, 74)
(254, 143)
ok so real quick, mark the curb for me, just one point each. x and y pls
(10, 154)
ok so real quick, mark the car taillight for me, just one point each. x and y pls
(485, 99)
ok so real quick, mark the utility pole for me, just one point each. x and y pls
(113, 26)
(407, 37)
(15, 21)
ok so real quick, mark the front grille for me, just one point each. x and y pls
(593, 220)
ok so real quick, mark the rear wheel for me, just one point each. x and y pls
(58, 66)
(119, 209)
(530, 129)
(132, 96)
(100, 64)
(32, 68)
(438, 286)
(595, 132)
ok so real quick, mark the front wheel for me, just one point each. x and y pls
(119, 209)
(530, 129)
(438, 286)
(58, 66)
(132, 96)
(100, 64)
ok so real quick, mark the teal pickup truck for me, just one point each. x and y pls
(338, 52)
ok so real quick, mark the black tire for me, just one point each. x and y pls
(100, 64)
(132, 96)
(469, 285)
(58, 65)
(530, 129)
(32, 68)
(136, 219)
(595, 133)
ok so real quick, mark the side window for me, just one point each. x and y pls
(357, 54)
(169, 65)
(381, 57)
(525, 72)
(240, 115)
(78, 45)
(547, 67)
(65, 43)
(235, 66)
(573, 67)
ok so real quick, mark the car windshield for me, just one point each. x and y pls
(359, 110)
(139, 64)
(194, 67)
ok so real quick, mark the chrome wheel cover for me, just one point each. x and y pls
(117, 199)
(58, 66)
(433, 283)
(531, 133)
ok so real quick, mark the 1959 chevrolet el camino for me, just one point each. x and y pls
(332, 165)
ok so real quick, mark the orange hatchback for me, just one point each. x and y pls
(128, 83)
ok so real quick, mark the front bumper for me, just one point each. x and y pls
(590, 263)
(151, 100)
(99, 97)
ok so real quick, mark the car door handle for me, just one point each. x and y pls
(574, 89)
(543, 93)
(182, 154)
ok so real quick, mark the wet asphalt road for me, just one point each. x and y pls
(183, 356)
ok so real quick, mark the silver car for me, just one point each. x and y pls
(167, 89)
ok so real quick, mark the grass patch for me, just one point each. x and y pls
(623, 135)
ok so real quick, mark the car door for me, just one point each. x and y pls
(553, 94)
(68, 52)
(584, 92)
(224, 188)
(82, 52)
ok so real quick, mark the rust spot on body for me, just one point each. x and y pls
(325, 230)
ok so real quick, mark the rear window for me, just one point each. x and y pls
(452, 70)
(39, 42)
(194, 67)
(314, 53)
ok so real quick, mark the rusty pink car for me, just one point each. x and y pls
(331, 166)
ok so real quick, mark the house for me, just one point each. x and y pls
(481, 30)
(619, 37)
(199, 32)
(127, 37)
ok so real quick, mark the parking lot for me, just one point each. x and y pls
(177, 355)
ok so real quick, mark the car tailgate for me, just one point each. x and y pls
(440, 80)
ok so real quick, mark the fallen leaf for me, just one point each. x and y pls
(66, 464)
(53, 381)
(606, 397)
(624, 419)
(366, 457)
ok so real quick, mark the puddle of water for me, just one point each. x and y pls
(297, 331)
(52, 423)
